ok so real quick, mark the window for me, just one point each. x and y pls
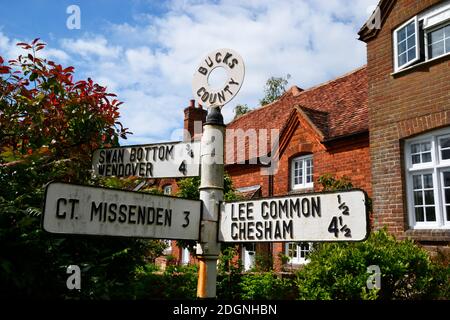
(406, 44)
(428, 180)
(424, 37)
(438, 42)
(298, 252)
(167, 190)
(168, 249)
(302, 172)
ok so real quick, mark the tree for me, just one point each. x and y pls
(273, 89)
(240, 110)
(49, 126)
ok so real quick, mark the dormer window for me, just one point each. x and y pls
(422, 38)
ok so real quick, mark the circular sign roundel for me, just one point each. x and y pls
(233, 64)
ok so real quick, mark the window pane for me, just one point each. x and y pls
(410, 28)
(448, 213)
(416, 158)
(401, 34)
(427, 181)
(447, 196)
(402, 59)
(447, 45)
(418, 198)
(401, 47)
(419, 214)
(417, 182)
(447, 31)
(446, 179)
(431, 215)
(415, 148)
(445, 142)
(426, 157)
(445, 154)
(437, 49)
(412, 53)
(436, 36)
(411, 41)
(426, 146)
(429, 197)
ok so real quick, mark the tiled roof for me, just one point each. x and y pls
(248, 193)
(336, 108)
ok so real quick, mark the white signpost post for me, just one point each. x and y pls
(162, 160)
(77, 209)
(212, 157)
(339, 216)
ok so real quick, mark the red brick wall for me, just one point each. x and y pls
(346, 157)
(400, 106)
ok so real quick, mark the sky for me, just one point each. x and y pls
(146, 51)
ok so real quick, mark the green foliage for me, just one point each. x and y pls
(267, 286)
(230, 273)
(273, 89)
(188, 188)
(339, 271)
(330, 183)
(176, 282)
(49, 127)
(240, 110)
(263, 262)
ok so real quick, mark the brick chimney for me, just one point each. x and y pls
(194, 118)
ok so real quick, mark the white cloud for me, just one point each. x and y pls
(149, 62)
(96, 46)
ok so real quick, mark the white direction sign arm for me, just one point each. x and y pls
(162, 160)
(315, 217)
(77, 209)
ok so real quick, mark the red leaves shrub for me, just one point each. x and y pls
(42, 109)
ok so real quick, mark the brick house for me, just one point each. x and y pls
(401, 97)
(321, 130)
(408, 70)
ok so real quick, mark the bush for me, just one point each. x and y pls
(230, 273)
(339, 271)
(177, 282)
(267, 286)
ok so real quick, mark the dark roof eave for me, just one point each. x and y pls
(345, 136)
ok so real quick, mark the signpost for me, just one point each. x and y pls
(162, 160)
(76, 209)
(339, 216)
(212, 158)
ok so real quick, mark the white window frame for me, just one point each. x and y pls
(435, 167)
(442, 161)
(168, 249)
(304, 184)
(168, 186)
(426, 34)
(396, 66)
(298, 259)
(436, 17)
